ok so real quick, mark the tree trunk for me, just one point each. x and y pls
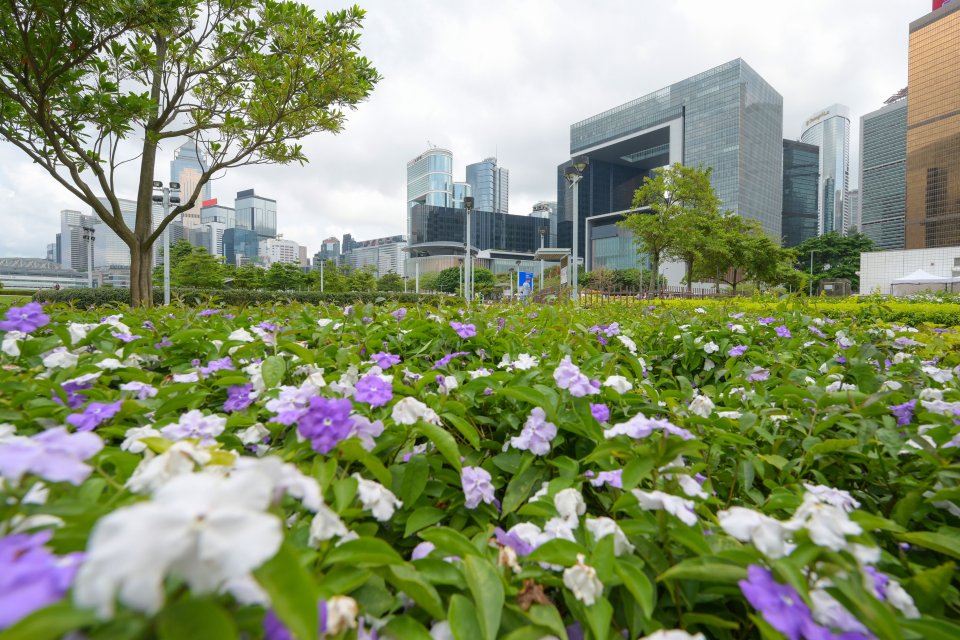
(141, 268)
(654, 273)
(690, 275)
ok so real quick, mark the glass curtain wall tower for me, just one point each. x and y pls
(801, 169)
(491, 186)
(256, 213)
(883, 174)
(187, 166)
(829, 129)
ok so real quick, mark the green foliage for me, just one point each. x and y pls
(284, 277)
(483, 281)
(85, 298)
(363, 279)
(192, 267)
(447, 280)
(247, 276)
(841, 253)
(246, 79)
(390, 282)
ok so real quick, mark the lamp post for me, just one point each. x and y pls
(543, 232)
(461, 274)
(166, 199)
(88, 238)
(573, 174)
(468, 274)
(810, 293)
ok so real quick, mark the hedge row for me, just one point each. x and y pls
(17, 292)
(110, 296)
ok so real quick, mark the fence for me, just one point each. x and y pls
(589, 296)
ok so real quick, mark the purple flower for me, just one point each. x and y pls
(903, 412)
(477, 486)
(385, 360)
(94, 415)
(758, 375)
(27, 318)
(512, 540)
(767, 320)
(841, 360)
(612, 478)
(399, 314)
(600, 412)
(269, 326)
(274, 629)
(142, 389)
(783, 331)
(780, 604)
(326, 423)
(537, 434)
(31, 577)
(194, 424)
(500, 323)
(124, 337)
(223, 364)
(445, 360)
(737, 351)
(880, 582)
(165, 342)
(208, 312)
(74, 399)
(55, 455)
(567, 376)
(463, 330)
(149, 325)
(239, 397)
(373, 390)
(812, 329)
(366, 431)
(737, 316)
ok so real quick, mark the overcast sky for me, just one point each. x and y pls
(507, 78)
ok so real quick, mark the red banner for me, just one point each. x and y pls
(213, 201)
(941, 3)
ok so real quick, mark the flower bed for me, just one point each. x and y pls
(666, 472)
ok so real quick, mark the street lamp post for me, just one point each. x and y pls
(88, 238)
(543, 232)
(573, 174)
(468, 274)
(166, 199)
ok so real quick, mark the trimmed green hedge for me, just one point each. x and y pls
(238, 297)
(18, 292)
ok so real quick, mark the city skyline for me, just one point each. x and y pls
(525, 91)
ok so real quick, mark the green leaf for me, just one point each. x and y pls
(927, 587)
(423, 517)
(557, 551)
(444, 442)
(467, 430)
(414, 480)
(405, 628)
(486, 587)
(464, 622)
(639, 586)
(196, 619)
(449, 540)
(705, 570)
(548, 616)
(292, 591)
(520, 487)
(947, 544)
(352, 450)
(406, 579)
(272, 370)
(363, 552)
(873, 522)
(50, 623)
(931, 629)
(599, 616)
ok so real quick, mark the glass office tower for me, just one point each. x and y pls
(187, 166)
(933, 130)
(883, 174)
(801, 169)
(241, 246)
(728, 118)
(491, 186)
(430, 178)
(256, 213)
(829, 129)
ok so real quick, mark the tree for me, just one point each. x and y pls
(741, 250)
(282, 276)
(178, 251)
(334, 280)
(673, 197)
(390, 282)
(87, 86)
(448, 280)
(247, 276)
(362, 279)
(841, 253)
(483, 281)
(198, 269)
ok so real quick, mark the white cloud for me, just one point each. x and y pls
(508, 77)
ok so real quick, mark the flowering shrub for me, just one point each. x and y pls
(664, 472)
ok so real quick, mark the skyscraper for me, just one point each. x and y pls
(854, 196)
(801, 169)
(491, 186)
(728, 118)
(73, 248)
(187, 166)
(883, 177)
(933, 130)
(256, 213)
(430, 179)
(829, 129)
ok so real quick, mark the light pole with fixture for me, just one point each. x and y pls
(543, 233)
(573, 174)
(88, 239)
(165, 199)
(468, 273)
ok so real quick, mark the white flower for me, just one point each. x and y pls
(673, 634)
(827, 611)
(134, 439)
(901, 357)
(890, 385)
(240, 335)
(709, 365)
(836, 497)
(60, 359)
(541, 492)
(154, 472)
(324, 322)
(327, 525)
(901, 600)
(376, 498)
(618, 384)
(570, 505)
(193, 376)
(10, 344)
(507, 557)
(285, 478)
(256, 376)
(204, 529)
(7, 431)
(582, 581)
(939, 375)
(529, 533)
(447, 383)
(701, 405)
(253, 434)
(110, 364)
(931, 395)
(78, 331)
(628, 343)
(737, 328)
(525, 361)
(602, 527)
(654, 500)
(827, 525)
(345, 386)
(711, 347)
(341, 614)
(732, 415)
(558, 529)
(441, 631)
(408, 410)
(839, 386)
(768, 535)
(691, 487)
(479, 373)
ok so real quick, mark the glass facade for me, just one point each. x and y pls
(728, 118)
(256, 213)
(109, 250)
(461, 190)
(187, 167)
(218, 213)
(933, 131)
(829, 129)
(491, 186)
(801, 170)
(883, 175)
(489, 230)
(612, 246)
(241, 246)
(430, 179)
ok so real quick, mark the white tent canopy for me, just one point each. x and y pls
(922, 277)
(920, 281)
